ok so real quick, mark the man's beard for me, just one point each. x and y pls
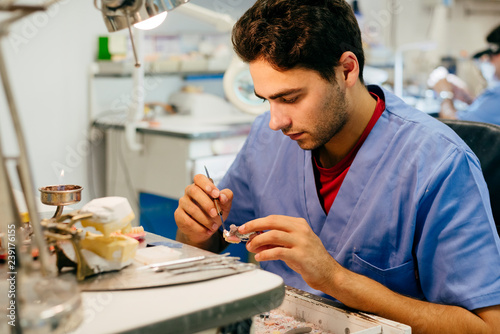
(334, 117)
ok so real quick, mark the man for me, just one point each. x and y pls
(486, 107)
(360, 196)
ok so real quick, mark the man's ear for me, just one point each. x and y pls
(348, 62)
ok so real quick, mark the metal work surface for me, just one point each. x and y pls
(220, 298)
(205, 266)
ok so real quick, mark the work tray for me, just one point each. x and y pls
(334, 317)
(200, 266)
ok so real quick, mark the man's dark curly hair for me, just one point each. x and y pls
(310, 34)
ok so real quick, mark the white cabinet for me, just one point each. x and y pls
(173, 152)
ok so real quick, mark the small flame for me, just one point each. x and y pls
(61, 177)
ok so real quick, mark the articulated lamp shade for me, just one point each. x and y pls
(116, 13)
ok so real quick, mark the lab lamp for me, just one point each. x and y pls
(37, 300)
(143, 14)
(119, 14)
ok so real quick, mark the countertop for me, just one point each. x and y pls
(182, 308)
(185, 126)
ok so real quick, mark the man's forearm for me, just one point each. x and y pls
(367, 295)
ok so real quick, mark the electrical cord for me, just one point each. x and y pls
(128, 179)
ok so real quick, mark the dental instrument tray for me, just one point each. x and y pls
(194, 265)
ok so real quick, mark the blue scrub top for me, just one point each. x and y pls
(413, 212)
(485, 108)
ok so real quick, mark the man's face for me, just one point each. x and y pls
(304, 106)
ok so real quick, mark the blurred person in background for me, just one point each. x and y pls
(483, 108)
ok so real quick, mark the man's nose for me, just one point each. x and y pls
(279, 120)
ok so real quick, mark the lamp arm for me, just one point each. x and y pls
(23, 165)
(225, 23)
(222, 22)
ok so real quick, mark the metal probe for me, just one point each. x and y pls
(216, 201)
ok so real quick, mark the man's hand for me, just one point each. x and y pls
(442, 81)
(292, 240)
(196, 216)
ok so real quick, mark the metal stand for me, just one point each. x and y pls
(56, 230)
(43, 302)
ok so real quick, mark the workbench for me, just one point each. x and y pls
(181, 308)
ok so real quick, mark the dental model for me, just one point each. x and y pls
(234, 237)
(113, 249)
(109, 214)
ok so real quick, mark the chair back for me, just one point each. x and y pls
(484, 141)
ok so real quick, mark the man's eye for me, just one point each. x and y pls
(288, 100)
